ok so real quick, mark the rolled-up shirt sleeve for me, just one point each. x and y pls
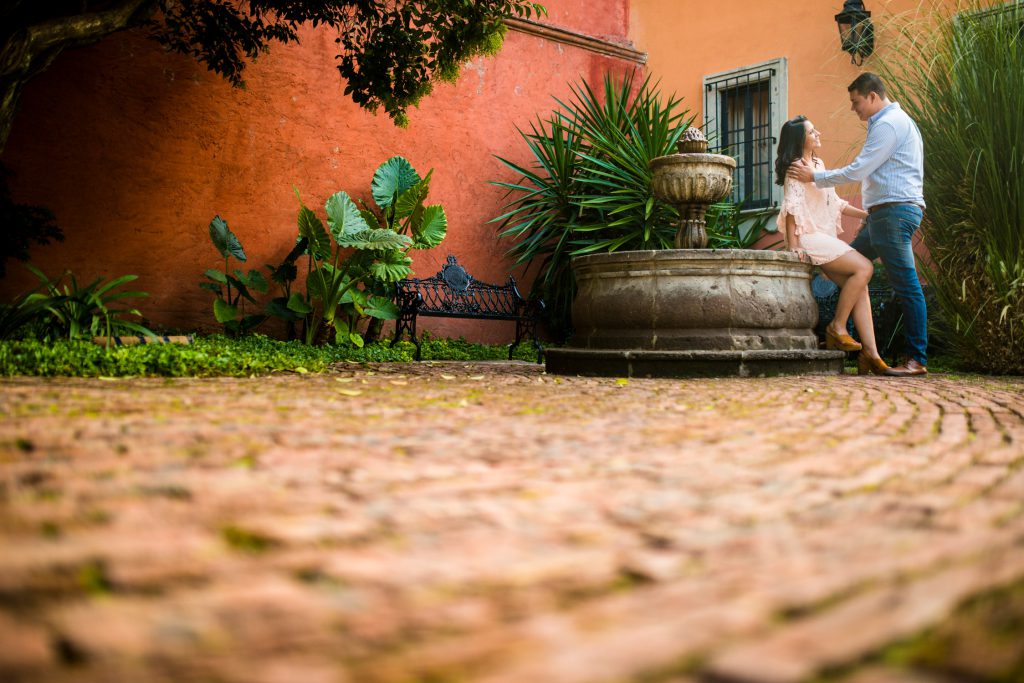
(879, 146)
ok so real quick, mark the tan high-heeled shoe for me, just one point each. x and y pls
(840, 342)
(874, 366)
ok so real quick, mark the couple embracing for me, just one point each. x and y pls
(891, 170)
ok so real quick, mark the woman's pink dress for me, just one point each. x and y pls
(818, 217)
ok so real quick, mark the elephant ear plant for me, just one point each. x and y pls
(342, 291)
(352, 261)
(400, 193)
(233, 288)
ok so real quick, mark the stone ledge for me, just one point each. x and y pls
(638, 363)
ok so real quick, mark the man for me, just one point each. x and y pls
(891, 169)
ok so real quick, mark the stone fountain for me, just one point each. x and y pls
(693, 311)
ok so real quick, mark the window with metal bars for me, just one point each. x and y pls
(743, 111)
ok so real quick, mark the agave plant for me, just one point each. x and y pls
(588, 187)
(963, 83)
(66, 310)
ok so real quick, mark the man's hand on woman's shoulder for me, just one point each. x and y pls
(800, 170)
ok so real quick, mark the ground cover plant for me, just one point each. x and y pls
(221, 356)
(587, 187)
(963, 83)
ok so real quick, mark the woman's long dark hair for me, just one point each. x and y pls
(791, 146)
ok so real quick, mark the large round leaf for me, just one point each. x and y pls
(392, 266)
(312, 229)
(223, 311)
(382, 308)
(225, 240)
(392, 178)
(343, 217)
(431, 232)
(376, 240)
(411, 201)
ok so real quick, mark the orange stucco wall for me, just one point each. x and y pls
(689, 39)
(136, 150)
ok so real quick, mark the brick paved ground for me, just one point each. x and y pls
(486, 522)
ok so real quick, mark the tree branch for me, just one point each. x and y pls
(22, 48)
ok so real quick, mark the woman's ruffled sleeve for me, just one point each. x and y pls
(794, 203)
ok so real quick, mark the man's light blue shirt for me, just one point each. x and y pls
(891, 165)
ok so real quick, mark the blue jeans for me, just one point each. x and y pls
(887, 235)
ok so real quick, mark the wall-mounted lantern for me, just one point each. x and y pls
(856, 30)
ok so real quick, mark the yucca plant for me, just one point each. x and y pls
(588, 186)
(963, 83)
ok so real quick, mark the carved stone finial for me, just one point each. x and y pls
(692, 141)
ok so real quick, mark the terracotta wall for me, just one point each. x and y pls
(135, 151)
(689, 39)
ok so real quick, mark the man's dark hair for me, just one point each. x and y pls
(866, 83)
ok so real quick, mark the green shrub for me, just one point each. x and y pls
(64, 309)
(963, 83)
(220, 356)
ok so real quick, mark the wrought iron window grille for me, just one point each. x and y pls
(743, 129)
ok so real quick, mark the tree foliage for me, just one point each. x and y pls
(389, 51)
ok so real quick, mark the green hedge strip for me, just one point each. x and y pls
(219, 356)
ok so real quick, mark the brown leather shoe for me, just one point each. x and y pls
(909, 369)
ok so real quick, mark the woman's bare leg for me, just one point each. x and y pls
(851, 272)
(865, 324)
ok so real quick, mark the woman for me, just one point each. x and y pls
(811, 218)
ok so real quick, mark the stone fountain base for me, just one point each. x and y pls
(693, 313)
(638, 363)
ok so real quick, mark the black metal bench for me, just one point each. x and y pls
(454, 293)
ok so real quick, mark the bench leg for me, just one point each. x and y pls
(526, 327)
(407, 323)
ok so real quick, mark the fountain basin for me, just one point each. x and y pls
(693, 312)
(692, 178)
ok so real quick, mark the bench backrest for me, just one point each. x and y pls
(454, 292)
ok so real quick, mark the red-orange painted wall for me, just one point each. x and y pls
(135, 151)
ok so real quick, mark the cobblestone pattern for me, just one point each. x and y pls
(485, 522)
